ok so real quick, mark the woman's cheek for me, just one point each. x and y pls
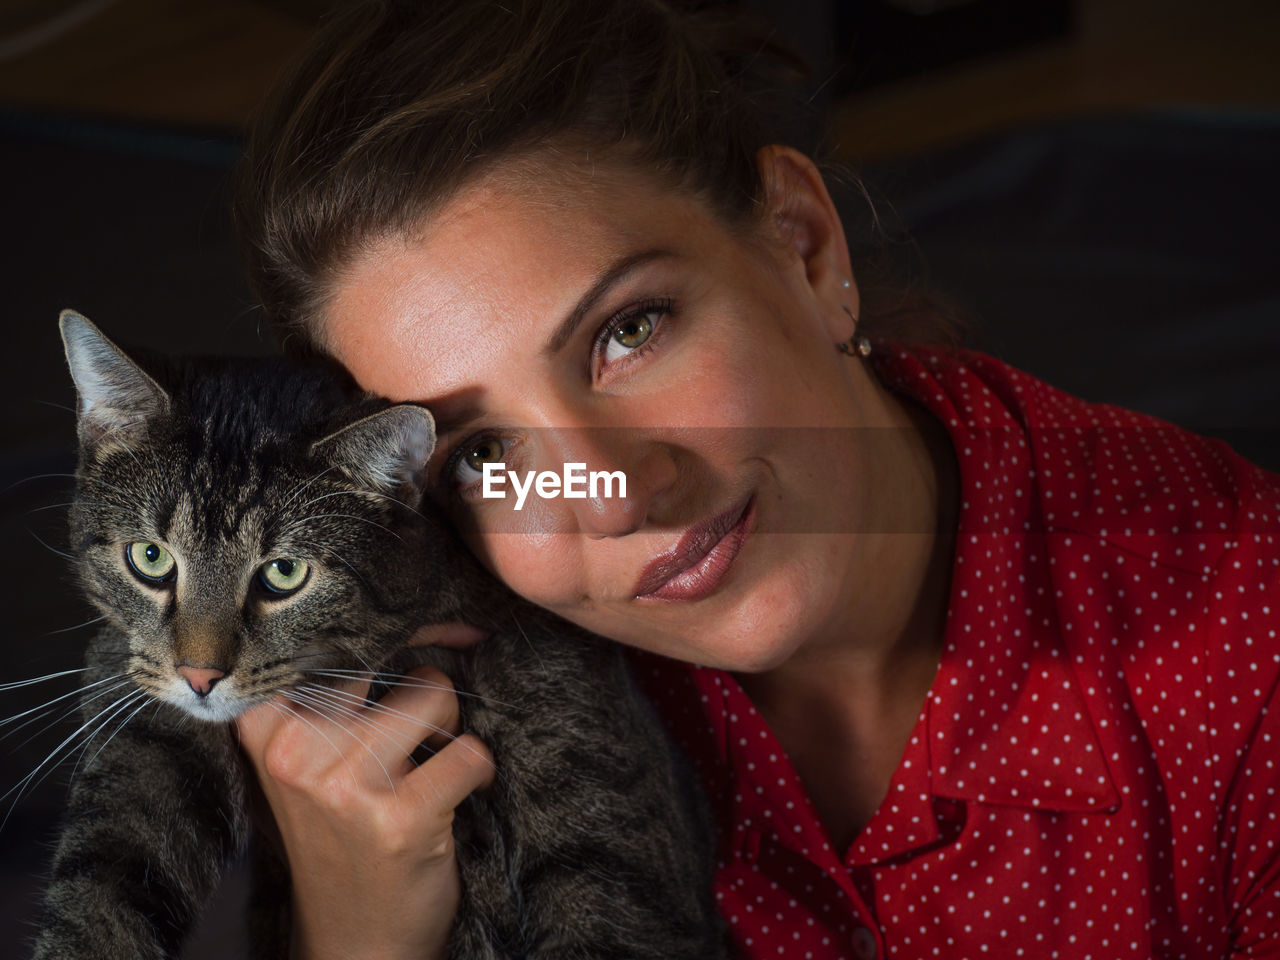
(532, 554)
(720, 386)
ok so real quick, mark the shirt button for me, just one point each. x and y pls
(864, 944)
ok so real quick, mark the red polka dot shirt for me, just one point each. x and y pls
(1094, 771)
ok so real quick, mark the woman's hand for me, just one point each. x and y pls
(367, 833)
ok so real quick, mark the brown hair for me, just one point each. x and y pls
(398, 102)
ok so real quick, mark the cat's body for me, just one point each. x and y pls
(195, 479)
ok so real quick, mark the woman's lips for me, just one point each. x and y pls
(701, 559)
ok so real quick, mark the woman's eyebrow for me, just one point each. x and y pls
(613, 275)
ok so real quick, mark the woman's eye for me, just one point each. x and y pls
(629, 333)
(471, 458)
(284, 575)
(151, 562)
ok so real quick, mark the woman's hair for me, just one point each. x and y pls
(397, 103)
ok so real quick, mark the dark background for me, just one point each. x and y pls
(1092, 182)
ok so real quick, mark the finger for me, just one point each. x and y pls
(270, 735)
(298, 734)
(422, 707)
(458, 636)
(452, 774)
(430, 696)
(256, 726)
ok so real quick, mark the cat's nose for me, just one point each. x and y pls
(201, 679)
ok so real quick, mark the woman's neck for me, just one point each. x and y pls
(844, 704)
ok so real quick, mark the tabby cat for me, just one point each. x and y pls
(263, 520)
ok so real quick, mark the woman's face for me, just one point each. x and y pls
(596, 317)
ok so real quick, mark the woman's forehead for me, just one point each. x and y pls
(501, 263)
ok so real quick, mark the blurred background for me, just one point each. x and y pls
(1092, 182)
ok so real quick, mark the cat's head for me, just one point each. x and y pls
(244, 524)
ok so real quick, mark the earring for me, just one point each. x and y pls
(846, 284)
(855, 346)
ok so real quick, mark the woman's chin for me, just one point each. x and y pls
(769, 606)
(757, 633)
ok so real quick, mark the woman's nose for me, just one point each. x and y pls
(623, 472)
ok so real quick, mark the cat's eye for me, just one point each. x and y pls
(151, 562)
(470, 459)
(284, 575)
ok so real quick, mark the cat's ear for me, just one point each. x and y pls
(116, 395)
(386, 451)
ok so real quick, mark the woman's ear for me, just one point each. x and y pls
(800, 209)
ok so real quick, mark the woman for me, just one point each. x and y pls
(968, 666)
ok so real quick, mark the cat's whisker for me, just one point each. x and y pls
(14, 684)
(67, 476)
(320, 546)
(341, 674)
(84, 746)
(533, 649)
(119, 677)
(297, 493)
(129, 450)
(296, 696)
(345, 516)
(21, 785)
(329, 706)
(103, 506)
(119, 427)
(78, 625)
(45, 710)
(48, 506)
(378, 677)
(362, 493)
(334, 708)
(60, 553)
(83, 499)
(347, 710)
(378, 707)
(70, 711)
(342, 756)
(364, 662)
(124, 724)
(348, 705)
(368, 673)
(289, 694)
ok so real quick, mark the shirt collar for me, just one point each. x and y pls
(1005, 719)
